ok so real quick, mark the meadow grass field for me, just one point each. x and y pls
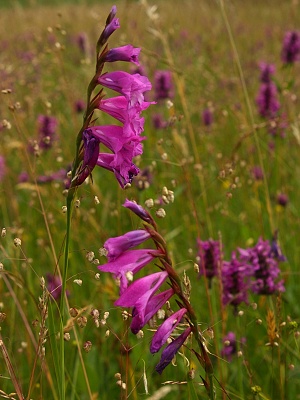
(219, 175)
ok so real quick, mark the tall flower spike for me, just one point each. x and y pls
(123, 142)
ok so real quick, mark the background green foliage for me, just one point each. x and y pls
(209, 170)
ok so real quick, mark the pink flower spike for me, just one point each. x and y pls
(144, 311)
(117, 245)
(123, 53)
(142, 288)
(165, 330)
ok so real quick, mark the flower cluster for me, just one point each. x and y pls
(291, 47)
(267, 98)
(231, 345)
(143, 295)
(263, 259)
(163, 85)
(47, 131)
(254, 269)
(210, 254)
(123, 141)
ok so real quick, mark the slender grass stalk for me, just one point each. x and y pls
(63, 303)
(250, 112)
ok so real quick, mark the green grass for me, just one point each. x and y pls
(202, 164)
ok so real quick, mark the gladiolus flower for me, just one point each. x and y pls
(170, 351)
(164, 331)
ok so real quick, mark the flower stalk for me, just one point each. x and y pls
(123, 142)
(142, 295)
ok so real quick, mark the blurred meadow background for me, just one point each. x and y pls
(234, 171)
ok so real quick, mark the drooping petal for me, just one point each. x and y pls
(170, 351)
(164, 331)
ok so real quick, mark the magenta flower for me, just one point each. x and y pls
(124, 53)
(170, 351)
(165, 330)
(142, 313)
(130, 86)
(140, 296)
(130, 261)
(122, 142)
(117, 245)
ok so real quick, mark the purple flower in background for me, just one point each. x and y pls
(158, 121)
(47, 130)
(2, 168)
(209, 253)
(79, 106)
(264, 266)
(267, 100)
(291, 47)
(282, 199)
(83, 43)
(54, 286)
(164, 331)
(163, 85)
(257, 173)
(235, 280)
(231, 346)
(266, 71)
(207, 117)
(170, 351)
